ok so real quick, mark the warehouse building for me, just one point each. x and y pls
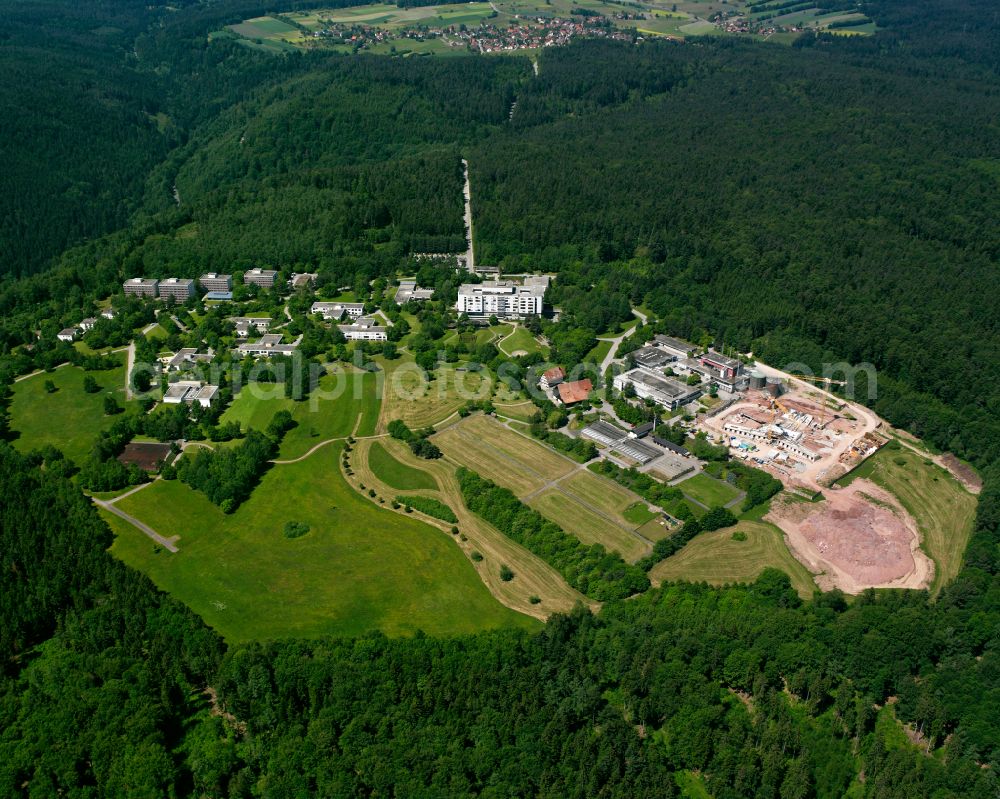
(662, 390)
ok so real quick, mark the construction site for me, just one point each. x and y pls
(852, 537)
(803, 436)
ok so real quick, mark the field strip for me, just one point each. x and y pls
(588, 525)
(533, 576)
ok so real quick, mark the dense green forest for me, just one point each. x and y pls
(835, 200)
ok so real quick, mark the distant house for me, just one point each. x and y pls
(88, 323)
(575, 391)
(364, 329)
(334, 311)
(67, 334)
(108, 313)
(552, 377)
(268, 345)
(185, 356)
(302, 279)
(190, 392)
(245, 324)
(409, 291)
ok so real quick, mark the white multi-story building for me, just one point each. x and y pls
(178, 289)
(213, 281)
(260, 277)
(502, 298)
(141, 286)
(364, 329)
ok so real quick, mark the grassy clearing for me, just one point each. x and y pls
(708, 491)
(520, 341)
(534, 576)
(588, 526)
(599, 352)
(331, 411)
(606, 495)
(943, 509)
(639, 513)
(69, 418)
(466, 450)
(525, 451)
(359, 568)
(395, 474)
(420, 403)
(717, 558)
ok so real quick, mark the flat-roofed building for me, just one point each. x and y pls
(218, 296)
(190, 392)
(651, 357)
(332, 311)
(246, 324)
(675, 346)
(260, 277)
(728, 368)
(213, 281)
(364, 329)
(502, 298)
(603, 433)
(269, 344)
(177, 289)
(654, 386)
(409, 291)
(141, 287)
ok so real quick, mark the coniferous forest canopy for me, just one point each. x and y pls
(834, 200)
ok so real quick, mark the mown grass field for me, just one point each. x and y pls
(943, 509)
(69, 418)
(345, 403)
(708, 491)
(534, 576)
(407, 395)
(588, 526)
(396, 474)
(717, 558)
(359, 568)
(584, 504)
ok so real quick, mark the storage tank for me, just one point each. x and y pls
(757, 380)
(774, 387)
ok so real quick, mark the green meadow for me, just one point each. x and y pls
(358, 568)
(344, 404)
(68, 418)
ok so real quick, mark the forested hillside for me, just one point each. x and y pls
(836, 200)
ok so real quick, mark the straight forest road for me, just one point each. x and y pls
(470, 259)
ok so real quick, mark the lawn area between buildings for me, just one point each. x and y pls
(943, 509)
(350, 395)
(359, 567)
(69, 418)
(717, 558)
